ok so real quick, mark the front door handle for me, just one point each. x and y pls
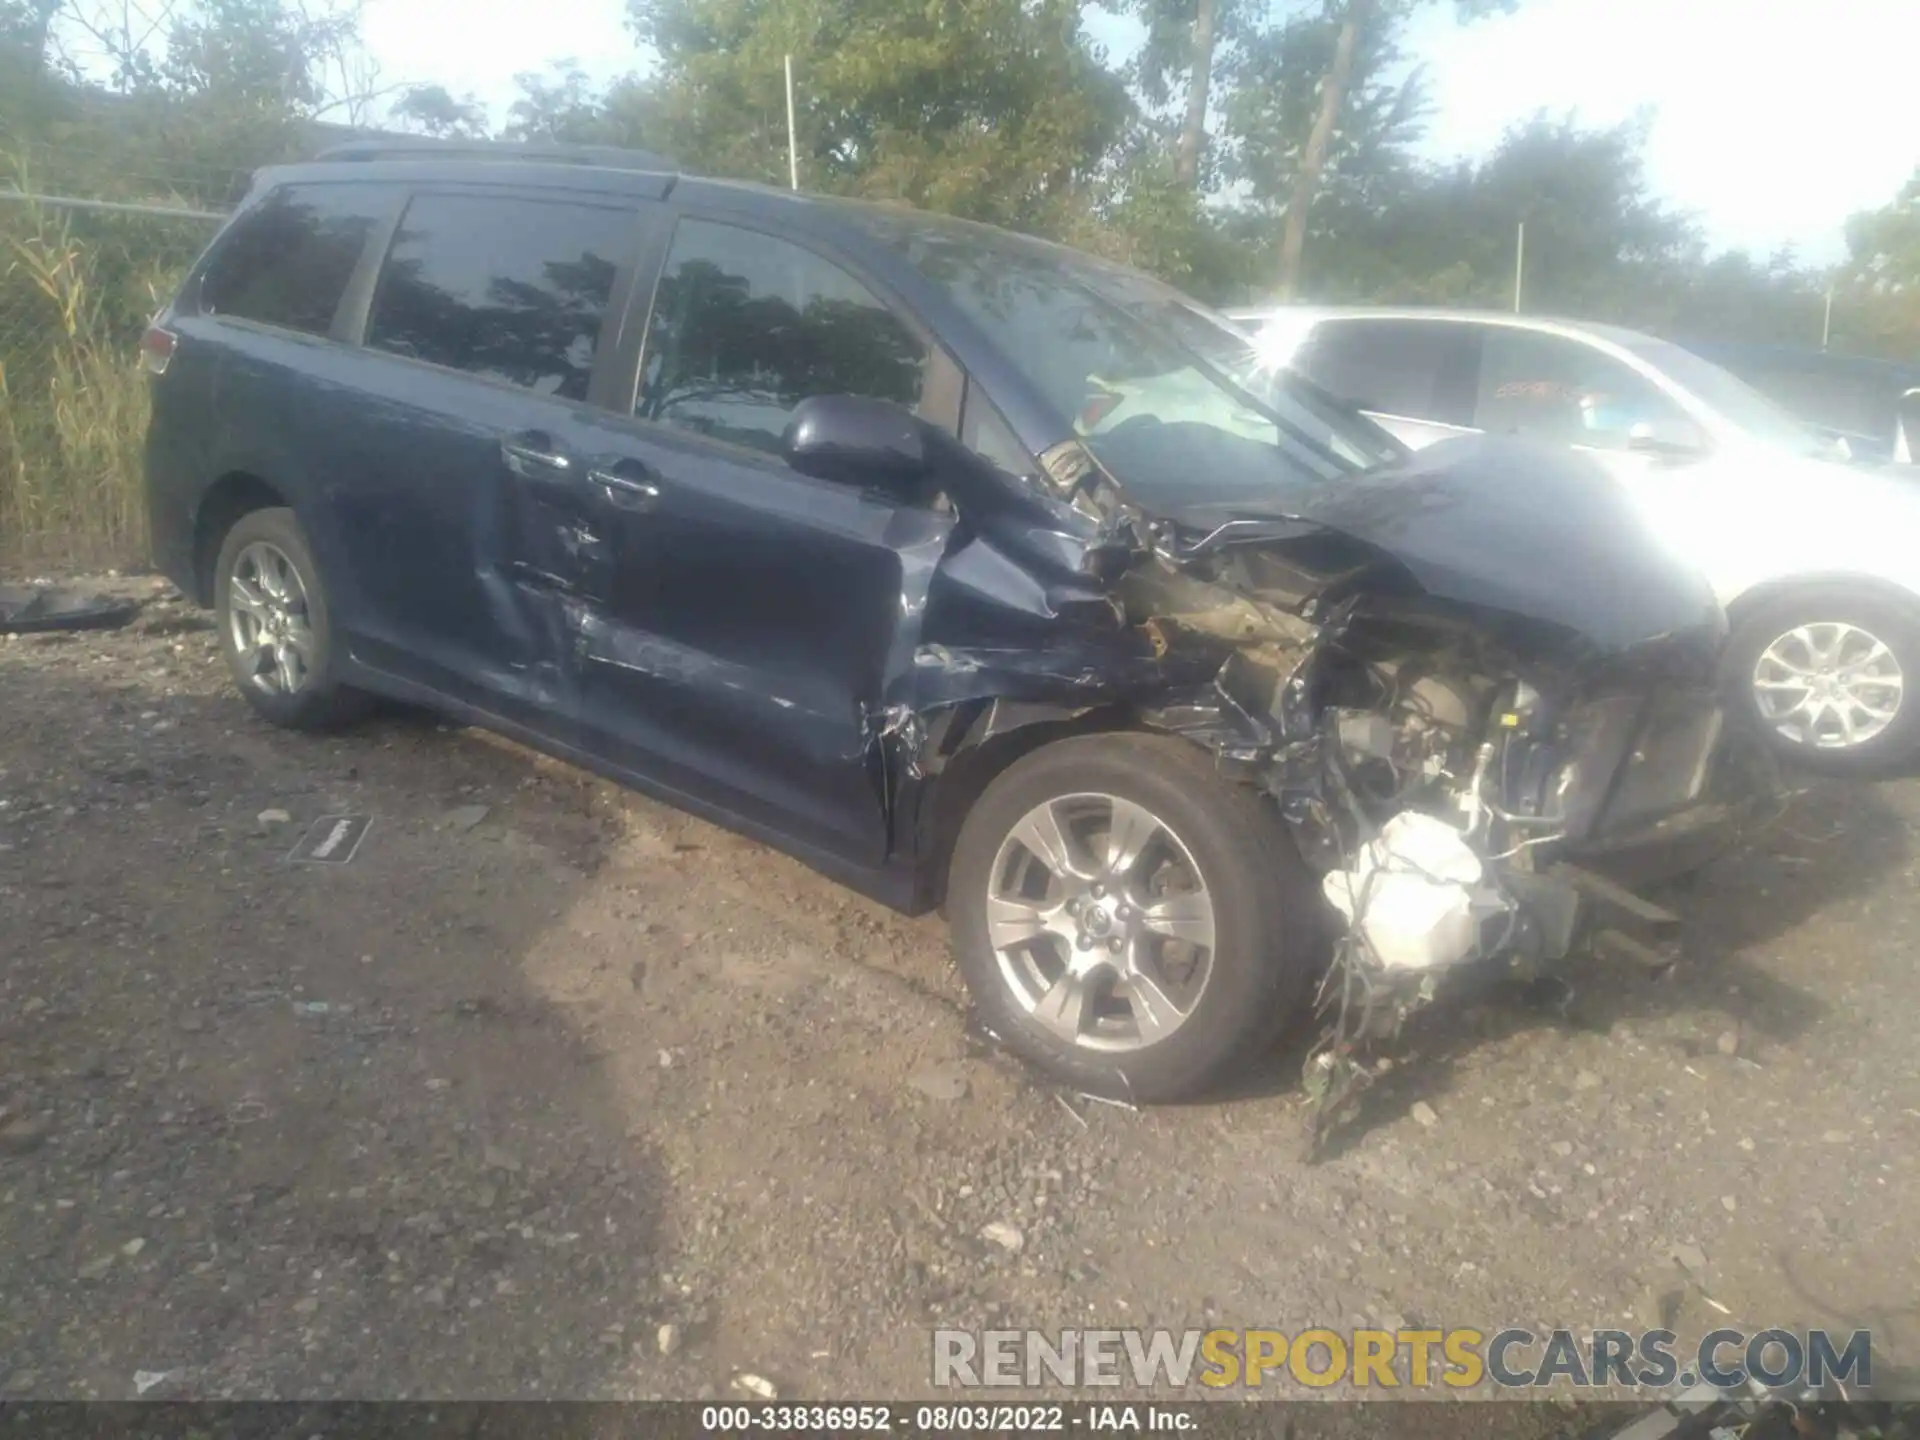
(535, 455)
(625, 491)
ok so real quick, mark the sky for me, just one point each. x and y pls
(1772, 120)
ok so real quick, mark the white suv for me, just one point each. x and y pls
(1816, 560)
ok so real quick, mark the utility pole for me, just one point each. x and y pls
(1519, 262)
(793, 143)
(1826, 324)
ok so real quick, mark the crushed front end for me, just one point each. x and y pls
(1506, 820)
(1482, 699)
(1483, 772)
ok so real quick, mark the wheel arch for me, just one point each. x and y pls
(1750, 602)
(985, 744)
(989, 739)
(234, 494)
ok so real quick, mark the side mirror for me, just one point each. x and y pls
(1906, 437)
(1667, 437)
(856, 441)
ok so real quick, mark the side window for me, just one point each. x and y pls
(1414, 369)
(1559, 389)
(984, 431)
(509, 288)
(1837, 401)
(746, 326)
(288, 261)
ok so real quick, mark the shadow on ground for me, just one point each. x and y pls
(288, 1130)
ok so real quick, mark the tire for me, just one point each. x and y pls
(1266, 916)
(1763, 644)
(265, 549)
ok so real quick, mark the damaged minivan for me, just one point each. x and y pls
(972, 571)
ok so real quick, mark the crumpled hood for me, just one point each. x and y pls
(1532, 530)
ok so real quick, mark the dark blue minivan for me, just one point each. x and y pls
(969, 569)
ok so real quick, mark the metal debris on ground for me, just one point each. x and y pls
(331, 840)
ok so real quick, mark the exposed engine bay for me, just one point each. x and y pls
(1437, 780)
(1462, 772)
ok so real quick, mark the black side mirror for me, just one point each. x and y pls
(856, 441)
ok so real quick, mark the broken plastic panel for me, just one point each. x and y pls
(35, 609)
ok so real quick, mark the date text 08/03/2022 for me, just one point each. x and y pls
(944, 1419)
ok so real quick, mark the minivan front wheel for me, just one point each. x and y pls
(1126, 919)
(274, 625)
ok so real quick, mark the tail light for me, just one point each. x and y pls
(156, 349)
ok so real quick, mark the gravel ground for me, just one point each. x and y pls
(547, 1067)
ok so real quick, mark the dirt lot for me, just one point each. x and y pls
(547, 1066)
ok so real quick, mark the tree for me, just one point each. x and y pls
(1877, 304)
(266, 56)
(557, 108)
(1350, 21)
(1186, 38)
(565, 109)
(1600, 244)
(26, 26)
(1193, 130)
(28, 94)
(1366, 166)
(433, 110)
(995, 109)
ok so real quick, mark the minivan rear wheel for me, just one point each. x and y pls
(275, 627)
(1127, 920)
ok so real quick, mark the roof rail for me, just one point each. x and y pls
(420, 147)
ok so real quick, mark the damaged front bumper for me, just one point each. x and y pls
(1738, 794)
(1433, 911)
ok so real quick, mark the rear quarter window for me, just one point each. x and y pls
(287, 261)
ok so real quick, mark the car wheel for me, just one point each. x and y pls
(271, 606)
(1828, 675)
(1126, 919)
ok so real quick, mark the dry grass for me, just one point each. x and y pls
(73, 410)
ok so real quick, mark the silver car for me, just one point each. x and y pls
(1816, 560)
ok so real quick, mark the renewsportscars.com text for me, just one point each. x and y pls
(1393, 1359)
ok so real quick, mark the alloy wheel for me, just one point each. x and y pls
(269, 621)
(1100, 921)
(1829, 685)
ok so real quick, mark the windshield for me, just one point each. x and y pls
(1731, 397)
(1164, 393)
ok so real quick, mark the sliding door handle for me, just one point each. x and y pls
(625, 491)
(534, 455)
